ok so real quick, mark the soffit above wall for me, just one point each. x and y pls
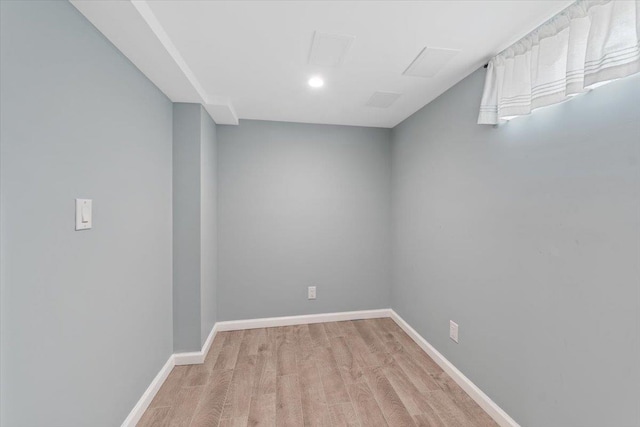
(252, 59)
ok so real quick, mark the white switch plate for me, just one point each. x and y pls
(453, 330)
(83, 214)
(311, 294)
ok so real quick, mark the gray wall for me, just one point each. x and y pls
(86, 316)
(208, 224)
(194, 226)
(528, 236)
(186, 227)
(302, 205)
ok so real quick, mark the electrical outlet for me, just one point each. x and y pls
(453, 330)
(311, 293)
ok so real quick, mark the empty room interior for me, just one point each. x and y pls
(320, 213)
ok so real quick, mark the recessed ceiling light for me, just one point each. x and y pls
(316, 82)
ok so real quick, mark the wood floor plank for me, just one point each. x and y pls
(267, 349)
(209, 410)
(416, 373)
(154, 417)
(182, 413)
(288, 404)
(428, 419)
(262, 407)
(263, 410)
(249, 346)
(392, 407)
(450, 414)
(359, 349)
(167, 394)
(343, 415)
(387, 324)
(374, 334)
(214, 351)
(367, 408)
(304, 345)
(411, 397)
(464, 401)
(267, 381)
(411, 347)
(262, 338)
(245, 379)
(370, 338)
(264, 375)
(333, 329)
(286, 351)
(240, 391)
(315, 410)
(318, 335)
(387, 333)
(424, 360)
(260, 341)
(229, 354)
(335, 390)
(196, 375)
(348, 367)
(234, 422)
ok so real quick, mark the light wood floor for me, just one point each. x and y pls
(357, 373)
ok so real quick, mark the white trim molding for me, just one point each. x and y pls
(490, 407)
(148, 395)
(197, 357)
(193, 358)
(270, 322)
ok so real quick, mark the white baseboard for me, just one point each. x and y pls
(490, 407)
(270, 322)
(144, 402)
(192, 358)
(197, 357)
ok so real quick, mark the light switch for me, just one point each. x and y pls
(83, 214)
(453, 330)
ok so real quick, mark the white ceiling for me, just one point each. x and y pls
(250, 59)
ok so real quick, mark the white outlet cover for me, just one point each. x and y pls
(453, 330)
(311, 293)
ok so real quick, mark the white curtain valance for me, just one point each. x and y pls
(590, 42)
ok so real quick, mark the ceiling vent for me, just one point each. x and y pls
(382, 99)
(329, 49)
(430, 61)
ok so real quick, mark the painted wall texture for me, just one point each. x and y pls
(86, 315)
(528, 236)
(186, 227)
(302, 205)
(208, 225)
(194, 226)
